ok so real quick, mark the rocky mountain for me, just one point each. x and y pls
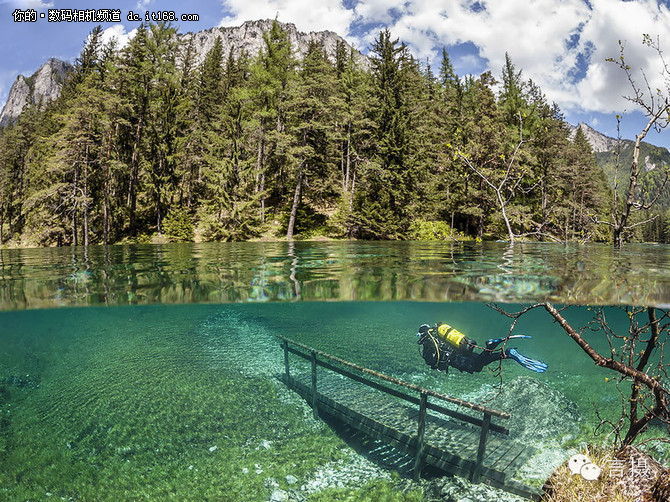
(599, 142)
(249, 37)
(605, 149)
(40, 88)
(615, 160)
(45, 83)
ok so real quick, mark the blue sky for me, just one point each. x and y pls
(561, 44)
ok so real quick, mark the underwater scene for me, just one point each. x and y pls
(158, 377)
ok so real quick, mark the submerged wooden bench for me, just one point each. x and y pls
(455, 441)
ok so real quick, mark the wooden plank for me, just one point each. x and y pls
(315, 400)
(396, 381)
(494, 449)
(457, 465)
(506, 455)
(286, 367)
(517, 458)
(418, 463)
(448, 445)
(481, 449)
(463, 418)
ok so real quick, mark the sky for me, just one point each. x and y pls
(562, 45)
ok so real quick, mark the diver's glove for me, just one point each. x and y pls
(527, 362)
(494, 342)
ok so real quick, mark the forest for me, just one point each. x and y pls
(146, 145)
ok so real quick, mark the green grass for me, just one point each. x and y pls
(160, 445)
(144, 418)
(375, 491)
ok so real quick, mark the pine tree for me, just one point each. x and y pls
(272, 74)
(164, 124)
(353, 105)
(71, 179)
(16, 142)
(229, 204)
(210, 92)
(144, 139)
(189, 147)
(311, 114)
(389, 179)
(511, 101)
(111, 121)
(137, 68)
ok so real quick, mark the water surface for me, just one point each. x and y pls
(164, 387)
(343, 271)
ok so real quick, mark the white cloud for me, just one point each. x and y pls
(118, 32)
(377, 10)
(28, 4)
(307, 15)
(538, 36)
(626, 21)
(561, 45)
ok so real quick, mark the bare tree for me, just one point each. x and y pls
(656, 107)
(636, 357)
(506, 187)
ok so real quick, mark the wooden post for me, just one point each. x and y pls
(288, 376)
(418, 461)
(315, 404)
(477, 473)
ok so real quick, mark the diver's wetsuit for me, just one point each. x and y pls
(439, 355)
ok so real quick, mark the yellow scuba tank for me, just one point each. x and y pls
(452, 336)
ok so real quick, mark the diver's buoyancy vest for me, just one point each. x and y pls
(452, 336)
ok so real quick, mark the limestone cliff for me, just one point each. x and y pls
(45, 83)
(40, 88)
(249, 37)
(598, 141)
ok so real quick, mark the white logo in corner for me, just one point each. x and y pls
(580, 464)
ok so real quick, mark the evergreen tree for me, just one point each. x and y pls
(16, 142)
(137, 69)
(165, 124)
(354, 105)
(189, 145)
(144, 140)
(511, 102)
(483, 146)
(312, 114)
(388, 180)
(229, 205)
(272, 75)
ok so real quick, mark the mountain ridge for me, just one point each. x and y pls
(39, 88)
(45, 84)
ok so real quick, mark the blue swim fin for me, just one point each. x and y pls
(527, 362)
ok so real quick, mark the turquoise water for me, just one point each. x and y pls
(175, 397)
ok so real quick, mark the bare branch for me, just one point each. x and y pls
(656, 106)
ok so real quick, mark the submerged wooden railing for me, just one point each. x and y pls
(359, 374)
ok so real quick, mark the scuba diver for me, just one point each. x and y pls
(444, 346)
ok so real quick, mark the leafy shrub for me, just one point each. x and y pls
(178, 226)
(422, 230)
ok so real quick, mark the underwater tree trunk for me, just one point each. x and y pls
(637, 374)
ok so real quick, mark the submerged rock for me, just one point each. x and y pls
(26, 381)
(456, 489)
(539, 412)
(278, 496)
